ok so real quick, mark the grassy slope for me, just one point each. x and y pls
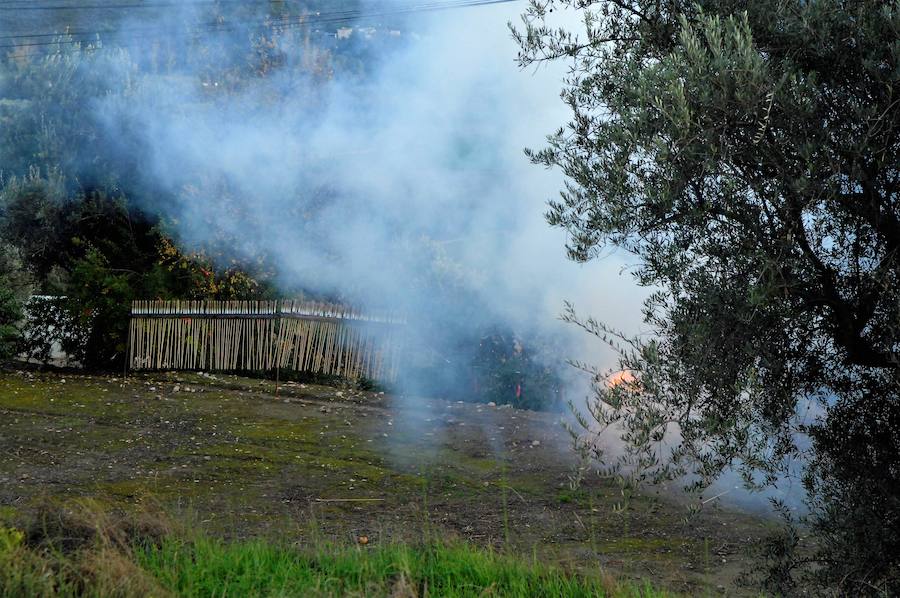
(246, 464)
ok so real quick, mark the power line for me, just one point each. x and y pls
(354, 13)
(4, 5)
(318, 18)
(314, 18)
(63, 7)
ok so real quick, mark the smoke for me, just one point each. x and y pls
(385, 169)
(401, 184)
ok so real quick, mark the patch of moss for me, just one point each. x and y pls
(174, 482)
(478, 466)
(139, 488)
(526, 483)
(251, 461)
(310, 442)
(279, 430)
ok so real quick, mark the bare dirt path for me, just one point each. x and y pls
(337, 463)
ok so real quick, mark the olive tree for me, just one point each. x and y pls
(749, 154)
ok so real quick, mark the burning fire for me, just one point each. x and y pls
(619, 378)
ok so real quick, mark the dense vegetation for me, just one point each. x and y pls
(748, 153)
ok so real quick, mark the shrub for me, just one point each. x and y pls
(10, 316)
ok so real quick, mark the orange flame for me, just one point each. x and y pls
(619, 378)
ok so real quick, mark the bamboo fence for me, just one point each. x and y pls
(305, 336)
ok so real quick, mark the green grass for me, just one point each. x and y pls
(214, 568)
(205, 567)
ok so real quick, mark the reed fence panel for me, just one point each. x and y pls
(305, 336)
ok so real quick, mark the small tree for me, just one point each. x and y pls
(748, 154)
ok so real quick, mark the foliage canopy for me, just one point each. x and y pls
(748, 154)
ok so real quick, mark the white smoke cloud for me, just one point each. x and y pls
(428, 147)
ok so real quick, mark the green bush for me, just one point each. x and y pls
(14, 287)
(10, 316)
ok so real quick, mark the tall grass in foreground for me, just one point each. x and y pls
(213, 568)
(68, 556)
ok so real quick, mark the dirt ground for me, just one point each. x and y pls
(323, 462)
